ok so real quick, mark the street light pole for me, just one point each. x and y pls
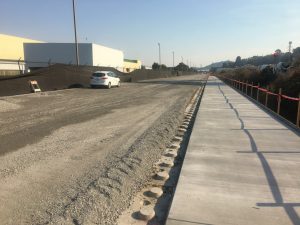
(173, 60)
(159, 53)
(75, 32)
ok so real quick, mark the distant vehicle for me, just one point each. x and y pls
(104, 78)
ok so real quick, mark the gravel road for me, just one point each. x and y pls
(78, 156)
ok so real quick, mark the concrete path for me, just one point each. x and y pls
(242, 166)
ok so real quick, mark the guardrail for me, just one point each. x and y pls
(246, 87)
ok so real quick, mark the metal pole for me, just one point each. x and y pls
(243, 86)
(298, 114)
(159, 56)
(173, 60)
(75, 31)
(257, 93)
(279, 101)
(266, 101)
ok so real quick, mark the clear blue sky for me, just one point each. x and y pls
(201, 31)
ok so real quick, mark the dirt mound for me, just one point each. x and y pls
(55, 77)
(60, 76)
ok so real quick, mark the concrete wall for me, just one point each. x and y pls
(51, 53)
(11, 47)
(104, 56)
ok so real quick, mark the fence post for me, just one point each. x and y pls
(279, 101)
(246, 87)
(243, 87)
(266, 101)
(298, 114)
(257, 93)
(251, 92)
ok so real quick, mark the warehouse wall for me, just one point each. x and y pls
(103, 56)
(57, 53)
(11, 47)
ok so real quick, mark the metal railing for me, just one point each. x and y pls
(248, 89)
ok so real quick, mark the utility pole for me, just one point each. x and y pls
(290, 47)
(173, 60)
(159, 56)
(290, 51)
(181, 59)
(75, 32)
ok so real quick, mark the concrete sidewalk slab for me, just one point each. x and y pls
(241, 167)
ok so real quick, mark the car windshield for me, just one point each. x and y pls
(98, 74)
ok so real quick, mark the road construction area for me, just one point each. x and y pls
(78, 156)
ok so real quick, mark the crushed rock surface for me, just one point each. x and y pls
(81, 155)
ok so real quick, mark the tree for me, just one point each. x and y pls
(182, 67)
(163, 67)
(296, 57)
(278, 52)
(155, 66)
(277, 55)
(228, 64)
(238, 61)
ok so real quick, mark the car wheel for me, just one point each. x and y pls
(109, 85)
(119, 84)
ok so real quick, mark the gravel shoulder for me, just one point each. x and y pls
(78, 156)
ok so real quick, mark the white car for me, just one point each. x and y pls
(104, 78)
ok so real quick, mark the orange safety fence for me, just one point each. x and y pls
(265, 90)
(240, 85)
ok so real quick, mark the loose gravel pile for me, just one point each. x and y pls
(125, 173)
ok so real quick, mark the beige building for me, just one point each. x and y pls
(12, 54)
(11, 47)
(131, 65)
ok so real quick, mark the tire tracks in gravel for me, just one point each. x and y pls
(36, 125)
(99, 194)
(106, 197)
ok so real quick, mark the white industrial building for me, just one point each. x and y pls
(43, 54)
